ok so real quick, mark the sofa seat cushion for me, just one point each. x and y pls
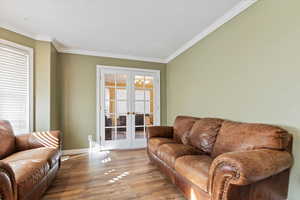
(170, 152)
(195, 168)
(44, 153)
(28, 174)
(154, 143)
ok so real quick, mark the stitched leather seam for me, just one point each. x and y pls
(226, 182)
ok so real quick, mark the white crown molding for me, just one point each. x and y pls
(26, 33)
(111, 55)
(239, 8)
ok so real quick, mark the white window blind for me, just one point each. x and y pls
(15, 87)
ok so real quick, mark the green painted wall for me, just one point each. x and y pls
(17, 38)
(42, 85)
(77, 93)
(54, 124)
(248, 70)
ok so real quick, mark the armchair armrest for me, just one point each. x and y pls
(244, 168)
(51, 139)
(160, 131)
(8, 186)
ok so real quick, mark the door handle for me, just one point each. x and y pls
(130, 113)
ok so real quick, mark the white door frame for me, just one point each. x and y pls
(100, 95)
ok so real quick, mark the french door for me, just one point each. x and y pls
(128, 101)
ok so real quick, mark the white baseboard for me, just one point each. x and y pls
(75, 151)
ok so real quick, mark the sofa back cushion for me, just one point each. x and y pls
(7, 139)
(235, 136)
(204, 133)
(182, 127)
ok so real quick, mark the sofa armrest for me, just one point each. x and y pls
(8, 186)
(51, 139)
(160, 131)
(244, 168)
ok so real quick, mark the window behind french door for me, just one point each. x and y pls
(128, 103)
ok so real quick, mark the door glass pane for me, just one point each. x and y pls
(139, 132)
(109, 94)
(110, 107)
(149, 82)
(148, 107)
(139, 95)
(109, 79)
(110, 120)
(139, 119)
(122, 120)
(109, 133)
(149, 120)
(121, 80)
(139, 81)
(121, 133)
(139, 106)
(122, 107)
(121, 94)
(149, 95)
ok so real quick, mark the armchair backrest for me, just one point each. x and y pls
(7, 139)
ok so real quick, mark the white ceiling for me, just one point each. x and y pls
(154, 30)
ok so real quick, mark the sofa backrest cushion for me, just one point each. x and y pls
(204, 133)
(7, 139)
(236, 136)
(182, 127)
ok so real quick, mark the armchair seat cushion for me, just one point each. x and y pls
(195, 168)
(154, 143)
(50, 155)
(170, 152)
(28, 173)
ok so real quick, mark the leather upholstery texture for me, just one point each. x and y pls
(249, 136)
(182, 127)
(7, 139)
(195, 169)
(204, 133)
(171, 151)
(154, 143)
(28, 170)
(216, 159)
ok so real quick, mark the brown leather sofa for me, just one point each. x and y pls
(28, 163)
(217, 159)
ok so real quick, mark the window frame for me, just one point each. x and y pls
(30, 52)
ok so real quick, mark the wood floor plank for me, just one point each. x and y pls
(114, 175)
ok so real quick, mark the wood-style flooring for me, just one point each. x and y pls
(114, 175)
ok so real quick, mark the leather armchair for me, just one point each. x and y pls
(28, 162)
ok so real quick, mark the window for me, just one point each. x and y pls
(16, 80)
